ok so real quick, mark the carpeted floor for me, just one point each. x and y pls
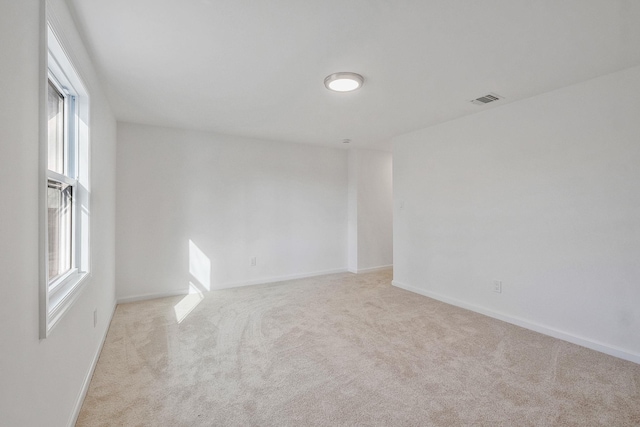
(345, 350)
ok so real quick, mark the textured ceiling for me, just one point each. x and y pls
(256, 68)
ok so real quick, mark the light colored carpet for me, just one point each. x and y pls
(345, 350)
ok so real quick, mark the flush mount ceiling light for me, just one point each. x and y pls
(343, 82)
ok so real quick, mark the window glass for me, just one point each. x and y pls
(59, 219)
(55, 120)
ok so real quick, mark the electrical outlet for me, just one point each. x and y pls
(254, 261)
(497, 286)
(95, 317)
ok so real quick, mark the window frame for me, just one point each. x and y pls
(57, 294)
(67, 178)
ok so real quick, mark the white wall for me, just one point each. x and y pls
(41, 381)
(194, 200)
(352, 231)
(370, 210)
(542, 194)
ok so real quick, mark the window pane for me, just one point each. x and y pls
(55, 118)
(59, 228)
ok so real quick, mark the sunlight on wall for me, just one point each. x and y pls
(200, 271)
(199, 266)
(188, 303)
(84, 235)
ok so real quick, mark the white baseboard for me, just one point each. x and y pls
(89, 376)
(372, 269)
(574, 339)
(153, 295)
(277, 279)
(230, 285)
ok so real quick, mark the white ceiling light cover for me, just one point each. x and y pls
(343, 82)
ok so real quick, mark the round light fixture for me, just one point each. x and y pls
(343, 82)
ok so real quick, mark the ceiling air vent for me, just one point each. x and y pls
(491, 97)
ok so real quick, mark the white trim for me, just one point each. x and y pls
(277, 279)
(87, 379)
(43, 273)
(372, 269)
(65, 298)
(536, 327)
(56, 60)
(230, 285)
(153, 295)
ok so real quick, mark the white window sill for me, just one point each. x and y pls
(63, 296)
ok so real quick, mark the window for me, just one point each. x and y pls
(65, 189)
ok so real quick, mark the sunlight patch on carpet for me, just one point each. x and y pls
(188, 303)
